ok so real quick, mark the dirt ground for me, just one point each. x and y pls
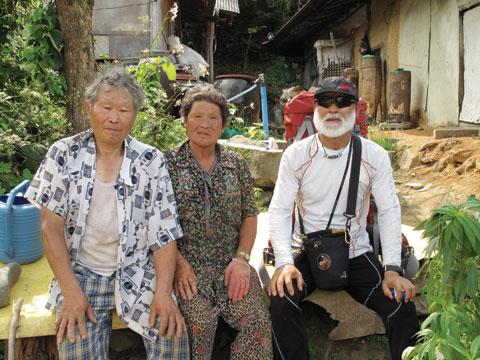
(440, 172)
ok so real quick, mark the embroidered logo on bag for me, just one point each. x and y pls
(324, 262)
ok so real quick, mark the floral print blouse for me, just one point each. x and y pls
(211, 208)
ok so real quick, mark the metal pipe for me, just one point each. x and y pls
(263, 94)
(253, 87)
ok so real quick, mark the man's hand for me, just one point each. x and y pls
(171, 321)
(283, 276)
(75, 305)
(185, 279)
(393, 280)
(237, 279)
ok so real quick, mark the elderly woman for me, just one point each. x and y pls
(217, 211)
(109, 228)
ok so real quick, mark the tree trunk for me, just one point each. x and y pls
(79, 59)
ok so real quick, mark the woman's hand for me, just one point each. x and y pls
(237, 279)
(185, 279)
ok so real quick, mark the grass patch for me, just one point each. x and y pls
(381, 138)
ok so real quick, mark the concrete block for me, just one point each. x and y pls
(263, 163)
(455, 132)
(408, 159)
(9, 275)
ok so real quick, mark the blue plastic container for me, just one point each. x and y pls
(20, 239)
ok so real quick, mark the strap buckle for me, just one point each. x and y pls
(348, 225)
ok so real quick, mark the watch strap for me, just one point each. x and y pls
(395, 268)
(243, 254)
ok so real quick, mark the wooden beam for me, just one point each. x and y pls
(210, 41)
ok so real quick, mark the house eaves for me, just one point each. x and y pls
(227, 5)
(207, 10)
(312, 21)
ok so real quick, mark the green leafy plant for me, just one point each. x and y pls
(381, 138)
(452, 286)
(256, 131)
(259, 200)
(42, 56)
(157, 128)
(32, 88)
(236, 125)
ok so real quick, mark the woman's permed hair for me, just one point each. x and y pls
(116, 77)
(204, 93)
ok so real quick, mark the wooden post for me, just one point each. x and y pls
(210, 40)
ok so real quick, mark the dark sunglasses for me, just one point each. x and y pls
(340, 101)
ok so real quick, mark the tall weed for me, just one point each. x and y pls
(452, 287)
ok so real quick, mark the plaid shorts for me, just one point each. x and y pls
(99, 291)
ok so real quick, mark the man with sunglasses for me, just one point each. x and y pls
(310, 174)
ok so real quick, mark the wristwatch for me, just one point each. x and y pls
(397, 269)
(243, 254)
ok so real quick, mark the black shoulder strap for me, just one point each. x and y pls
(354, 177)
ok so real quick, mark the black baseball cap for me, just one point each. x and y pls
(337, 84)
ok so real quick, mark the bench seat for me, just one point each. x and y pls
(35, 320)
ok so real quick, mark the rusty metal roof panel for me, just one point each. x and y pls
(227, 5)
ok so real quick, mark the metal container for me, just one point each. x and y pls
(352, 74)
(249, 104)
(398, 97)
(371, 82)
(20, 239)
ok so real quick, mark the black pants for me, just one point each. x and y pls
(366, 275)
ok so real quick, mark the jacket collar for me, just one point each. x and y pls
(129, 147)
(187, 160)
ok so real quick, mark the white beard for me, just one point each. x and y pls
(337, 129)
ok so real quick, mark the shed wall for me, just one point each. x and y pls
(443, 84)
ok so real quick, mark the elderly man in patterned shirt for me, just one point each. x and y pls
(109, 227)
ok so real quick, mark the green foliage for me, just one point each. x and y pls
(32, 89)
(42, 57)
(29, 123)
(31, 54)
(453, 283)
(148, 72)
(237, 126)
(381, 138)
(154, 125)
(158, 129)
(259, 200)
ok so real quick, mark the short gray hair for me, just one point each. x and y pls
(116, 77)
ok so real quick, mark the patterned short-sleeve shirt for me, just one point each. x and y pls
(211, 209)
(146, 210)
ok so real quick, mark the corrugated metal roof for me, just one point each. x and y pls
(227, 5)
